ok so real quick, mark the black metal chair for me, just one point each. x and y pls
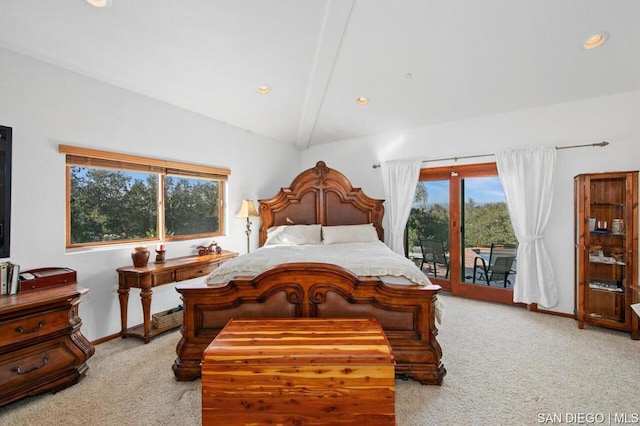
(498, 267)
(433, 254)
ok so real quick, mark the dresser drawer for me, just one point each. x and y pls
(199, 271)
(28, 327)
(35, 363)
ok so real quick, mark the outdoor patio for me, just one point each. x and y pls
(470, 254)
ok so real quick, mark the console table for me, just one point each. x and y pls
(156, 274)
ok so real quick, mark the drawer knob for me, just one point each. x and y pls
(33, 330)
(17, 369)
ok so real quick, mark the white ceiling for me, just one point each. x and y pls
(465, 58)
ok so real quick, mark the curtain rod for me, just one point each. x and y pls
(602, 144)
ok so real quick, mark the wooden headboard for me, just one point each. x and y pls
(320, 195)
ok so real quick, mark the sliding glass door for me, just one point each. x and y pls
(460, 234)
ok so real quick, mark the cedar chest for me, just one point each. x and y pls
(299, 371)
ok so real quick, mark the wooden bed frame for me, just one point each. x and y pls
(319, 195)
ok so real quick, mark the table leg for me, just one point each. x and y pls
(123, 297)
(145, 297)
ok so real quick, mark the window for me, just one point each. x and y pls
(116, 198)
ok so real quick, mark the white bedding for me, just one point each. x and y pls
(362, 259)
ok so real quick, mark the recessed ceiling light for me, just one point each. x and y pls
(595, 41)
(99, 3)
(264, 89)
(362, 100)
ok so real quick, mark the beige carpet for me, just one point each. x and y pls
(506, 366)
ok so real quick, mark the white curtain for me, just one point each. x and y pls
(399, 179)
(527, 176)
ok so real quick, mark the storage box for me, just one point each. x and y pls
(36, 279)
(307, 371)
(168, 318)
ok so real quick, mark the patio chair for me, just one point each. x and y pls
(498, 267)
(433, 254)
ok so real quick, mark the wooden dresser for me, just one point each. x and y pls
(41, 346)
(156, 274)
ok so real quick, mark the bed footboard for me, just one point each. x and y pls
(308, 290)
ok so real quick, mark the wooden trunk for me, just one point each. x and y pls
(302, 371)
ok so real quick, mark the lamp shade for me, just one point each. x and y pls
(100, 3)
(247, 209)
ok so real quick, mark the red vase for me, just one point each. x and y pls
(140, 257)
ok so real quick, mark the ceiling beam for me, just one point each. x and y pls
(333, 29)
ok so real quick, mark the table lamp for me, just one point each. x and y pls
(247, 210)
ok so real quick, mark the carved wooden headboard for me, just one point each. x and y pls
(320, 195)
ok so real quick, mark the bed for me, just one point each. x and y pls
(323, 198)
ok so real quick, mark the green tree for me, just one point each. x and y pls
(426, 222)
(85, 223)
(139, 212)
(421, 196)
(486, 224)
(191, 206)
(108, 205)
(431, 223)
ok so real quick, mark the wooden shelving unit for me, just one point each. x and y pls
(606, 250)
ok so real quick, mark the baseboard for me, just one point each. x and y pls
(105, 339)
(533, 307)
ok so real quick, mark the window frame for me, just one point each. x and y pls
(87, 157)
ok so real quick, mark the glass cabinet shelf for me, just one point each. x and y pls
(606, 239)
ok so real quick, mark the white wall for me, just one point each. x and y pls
(612, 118)
(46, 106)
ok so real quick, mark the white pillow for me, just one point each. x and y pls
(293, 235)
(349, 234)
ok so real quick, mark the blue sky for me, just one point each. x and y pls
(482, 190)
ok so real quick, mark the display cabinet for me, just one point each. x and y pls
(606, 250)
